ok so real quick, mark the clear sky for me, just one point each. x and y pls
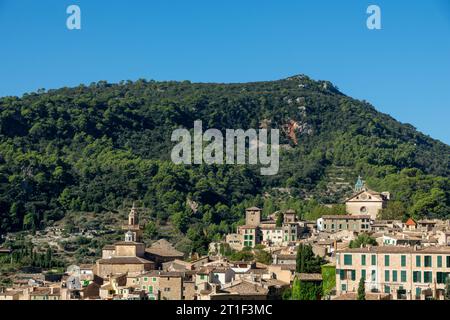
(403, 69)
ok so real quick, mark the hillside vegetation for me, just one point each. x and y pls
(98, 147)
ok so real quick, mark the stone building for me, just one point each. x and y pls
(337, 223)
(366, 202)
(125, 256)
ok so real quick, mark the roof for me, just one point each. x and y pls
(128, 243)
(371, 192)
(354, 217)
(164, 248)
(287, 256)
(253, 209)
(410, 222)
(397, 249)
(124, 260)
(247, 227)
(244, 287)
(309, 276)
(369, 296)
(158, 273)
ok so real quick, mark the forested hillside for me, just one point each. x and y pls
(91, 148)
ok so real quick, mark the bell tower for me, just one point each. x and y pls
(132, 228)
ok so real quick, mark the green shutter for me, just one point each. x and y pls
(353, 275)
(403, 261)
(417, 261)
(394, 276)
(386, 260)
(363, 274)
(403, 276)
(417, 276)
(374, 260)
(347, 259)
(386, 275)
(418, 291)
(439, 261)
(427, 276)
(427, 262)
(363, 259)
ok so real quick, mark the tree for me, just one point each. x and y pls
(279, 221)
(395, 210)
(306, 261)
(306, 290)
(150, 230)
(363, 240)
(263, 257)
(362, 289)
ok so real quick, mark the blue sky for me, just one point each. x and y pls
(403, 69)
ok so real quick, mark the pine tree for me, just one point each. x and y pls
(362, 289)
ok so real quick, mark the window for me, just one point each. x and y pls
(374, 260)
(145, 279)
(394, 276)
(363, 259)
(150, 289)
(386, 260)
(374, 275)
(403, 258)
(347, 259)
(342, 274)
(202, 277)
(427, 261)
(154, 279)
(166, 289)
(417, 261)
(417, 276)
(403, 276)
(441, 277)
(439, 261)
(353, 275)
(387, 289)
(344, 287)
(448, 262)
(427, 276)
(363, 274)
(386, 276)
(418, 292)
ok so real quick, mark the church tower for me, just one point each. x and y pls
(132, 228)
(133, 218)
(359, 185)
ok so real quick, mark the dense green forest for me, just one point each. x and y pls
(94, 148)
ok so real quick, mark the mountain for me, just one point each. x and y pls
(98, 147)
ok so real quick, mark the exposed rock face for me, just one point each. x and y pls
(293, 128)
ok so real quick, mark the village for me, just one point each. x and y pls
(407, 261)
